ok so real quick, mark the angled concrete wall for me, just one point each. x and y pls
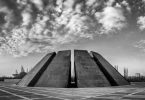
(32, 77)
(57, 73)
(110, 72)
(88, 73)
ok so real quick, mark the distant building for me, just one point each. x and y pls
(21, 74)
(137, 74)
(16, 74)
(125, 72)
(22, 69)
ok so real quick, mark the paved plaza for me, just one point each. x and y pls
(128, 92)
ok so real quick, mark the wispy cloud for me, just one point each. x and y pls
(140, 45)
(29, 26)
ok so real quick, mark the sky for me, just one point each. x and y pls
(29, 29)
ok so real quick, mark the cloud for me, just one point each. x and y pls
(143, 0)
(38, 4)
(9, 17)
(30, 26)
(26, 18)
(141, 22)
(126, 5)
(110, 2)
(111, 18)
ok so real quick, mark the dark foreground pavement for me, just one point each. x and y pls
(129, 92)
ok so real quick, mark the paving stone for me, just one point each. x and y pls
(97, 99)
(3, 94)
(10, 98)
(120, 93)
(140, 93)
(112, 95)
(34, 96)
(132, 98)
(49, 99)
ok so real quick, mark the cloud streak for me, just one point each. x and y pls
(140, 45)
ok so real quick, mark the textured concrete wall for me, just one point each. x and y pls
(110, 72)
(57, 73)
(87, 72)
(32, 77)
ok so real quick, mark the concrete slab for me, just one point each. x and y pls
(57, 73)
(87, 71)
(114, 77)
(32, 77)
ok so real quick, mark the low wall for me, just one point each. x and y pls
(12, 80)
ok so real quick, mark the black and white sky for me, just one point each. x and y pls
(31, 28)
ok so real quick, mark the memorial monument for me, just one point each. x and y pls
(90, 70)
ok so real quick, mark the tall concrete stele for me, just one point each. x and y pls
(89, 70)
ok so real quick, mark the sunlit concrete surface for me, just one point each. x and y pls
(128, 92)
